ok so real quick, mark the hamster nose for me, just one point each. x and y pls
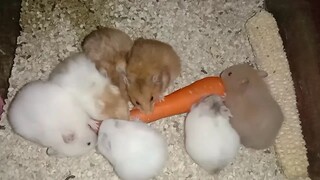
(147, 111)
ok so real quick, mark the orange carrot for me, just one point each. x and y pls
(181, 100)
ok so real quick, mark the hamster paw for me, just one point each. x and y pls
(161, 98)
(225, 112)
(52, 152)
(135, 119)
(94, 125)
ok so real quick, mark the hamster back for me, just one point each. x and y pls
(210, 139)
(135, 150)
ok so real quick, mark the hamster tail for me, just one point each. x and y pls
(215, 173)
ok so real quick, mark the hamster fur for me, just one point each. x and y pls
(135, 150)
(45, 114)
(94, 91)
(152, 66)
(257, 117)
(107, 47)
(210, 139)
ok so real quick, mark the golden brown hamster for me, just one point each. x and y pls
(152, 66)
(257, 117)
(107, 48)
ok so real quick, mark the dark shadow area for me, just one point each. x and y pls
(299, 25)
(9, 31)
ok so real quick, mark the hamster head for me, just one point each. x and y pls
(144, 92)
(151, 67)
(105, 42)
(135, 150)
(111, 125)
(237, 77)
(107, 47)
(107, 128)
(75, 142)
(212, 104)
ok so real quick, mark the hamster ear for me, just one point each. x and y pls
(128, 80)
(262, 73)
(162, 77)
(68, 137)
(114, 89)
(196, 104)
(102, 70)
(166, 78)
(156, 78)
(244, 83)
(225, 111)
(91, 46)
(121, 67)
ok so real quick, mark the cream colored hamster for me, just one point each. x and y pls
(45, 114)
(107, 47)
(210, 139)
(152, 66)
(96, 94)
(257, 117)
(135, 150)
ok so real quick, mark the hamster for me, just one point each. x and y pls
(210, 139)
(45, 114)
(135, 150)
(94, 91)
(107, 48)
(152, 66)
(257, 117)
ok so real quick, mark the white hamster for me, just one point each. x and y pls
(46, 115)
(94, 91)
(210, 140)
(135, 150)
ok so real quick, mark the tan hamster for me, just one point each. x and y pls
(152, 66)
(257, 117)
(107, 48)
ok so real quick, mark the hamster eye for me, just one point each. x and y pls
(229, 74)
(88, 143)
(137, 103)
(151, 99)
